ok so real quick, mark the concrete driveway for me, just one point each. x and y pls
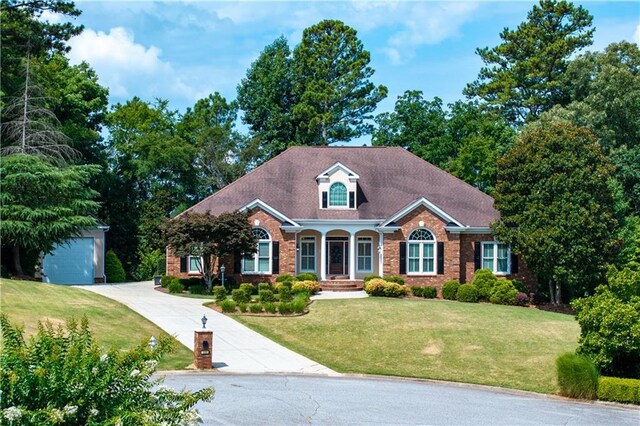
(236, 348)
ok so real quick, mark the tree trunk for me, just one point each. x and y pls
(558, 293)
(552, 292)
(17, 265)
(207, 272)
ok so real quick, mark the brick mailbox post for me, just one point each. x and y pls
(203, 347)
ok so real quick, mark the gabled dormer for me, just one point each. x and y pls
(337, 188)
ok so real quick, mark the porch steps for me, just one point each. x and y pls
(341, 285)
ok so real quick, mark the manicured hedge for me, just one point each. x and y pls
(577, 376)
(285, 278)
(429, 292)
(468, 293)
(307, 276)
(450, 289)
(175, 287)
(619, 390)
(380, 287)
(113, 268)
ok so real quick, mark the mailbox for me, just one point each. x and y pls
(203, 349)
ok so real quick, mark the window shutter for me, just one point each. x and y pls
(440, 258)
(325, 202)
(477, 247)
(183, 264)
(275, 259)
(237, 263)
(403, 258)
(352, 199)
(514, 263)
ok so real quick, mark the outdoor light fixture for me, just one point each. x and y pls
(204, 321)
(222, 268)
(153, 342)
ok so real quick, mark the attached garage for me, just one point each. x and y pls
(79, 260)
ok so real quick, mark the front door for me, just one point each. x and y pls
(338, 264)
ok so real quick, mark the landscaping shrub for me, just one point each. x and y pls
(240, 296)
(113, 268)
(417, 291)
(522, 299)
(375, 287)
(484, 280)
(298, 305)
(166, 280)
(311, 287)
(242, 307)
(188, 282)
(520, 286)
(429, 292)
(285, 308)
(266, 296)
(394, 279)
(152, 263)
(503, 293)
(248, 288)
(175, 287)
(219, 293)
(450, 289)
(307, 276)
(255, 308)
(264, 286)
(277, 285)
(196, 289)
(395, 290)
(370, 277)
(577, 376)
(619, 390)
(284, 293)
(228, 305)
(270, 307)
(285, 278)
(69, 381)
(468, 293)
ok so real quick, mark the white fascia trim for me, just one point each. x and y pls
(422, 202)
(303, 222)
(273, 212)
(388, 229)
(325, 174)
(468, 230)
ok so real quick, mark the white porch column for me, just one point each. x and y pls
(352, 256)
(323, 256)
(381, 254)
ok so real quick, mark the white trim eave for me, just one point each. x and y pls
(388, 229)
(304, 222)
(267, 208)
(421, 202)
(468, 229)
(325, 174)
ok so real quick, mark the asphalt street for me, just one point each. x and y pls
(297, 400)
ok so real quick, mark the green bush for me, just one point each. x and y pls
(228, 305)
(242, 307)
(450, 289)
(113, 268)
(394, 279)
(255, 308)
(240, 296)
(152, 263)
(619, 390)
(196, 289)
(284, 293)
(577, 376)
(285, 308)
(395, 290)
(503, 293)
(468, 293)
(307, 276)
(311, 287)
(484, 280)
(264, 286)
(248, 288)
(520, 286)
(285, 278)
(168, 279)
(266, 296)
(417, 291)
(219, 293)
(298, 305)
(69, 381)
(370, 277)
(375, 287)
(429, 292)
(270, 307)
(188, 282)
(175, 287)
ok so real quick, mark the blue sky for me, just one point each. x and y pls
(183, 51)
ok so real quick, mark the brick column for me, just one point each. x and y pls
(203, 349)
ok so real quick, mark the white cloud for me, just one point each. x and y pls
(48, 16)
(636, 35)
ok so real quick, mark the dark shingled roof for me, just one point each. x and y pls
(391, 178)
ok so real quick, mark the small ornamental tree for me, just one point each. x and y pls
(556, 206)
(208, 236)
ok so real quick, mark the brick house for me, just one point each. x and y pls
(348, 212)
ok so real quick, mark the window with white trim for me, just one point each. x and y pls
(338, 195)
(496, 257)
(195, 264)
(365, 254)
(308, 254)
(421, 252)
(259, 262)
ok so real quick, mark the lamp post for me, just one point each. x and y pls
(222, 268)
(204, 321)
(153, 342)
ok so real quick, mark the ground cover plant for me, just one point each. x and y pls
(475, 343)
(112, 324)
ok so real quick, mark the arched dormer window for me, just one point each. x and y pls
(260, 261)
(338, 195)
(422, 252)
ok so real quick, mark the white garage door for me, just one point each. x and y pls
(70, 263)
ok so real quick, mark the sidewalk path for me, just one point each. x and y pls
(236, 348)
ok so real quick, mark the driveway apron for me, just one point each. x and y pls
(236, 348)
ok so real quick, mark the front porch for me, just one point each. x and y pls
(341, 285)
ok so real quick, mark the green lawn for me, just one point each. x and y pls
(487, 344)
(111, 323)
